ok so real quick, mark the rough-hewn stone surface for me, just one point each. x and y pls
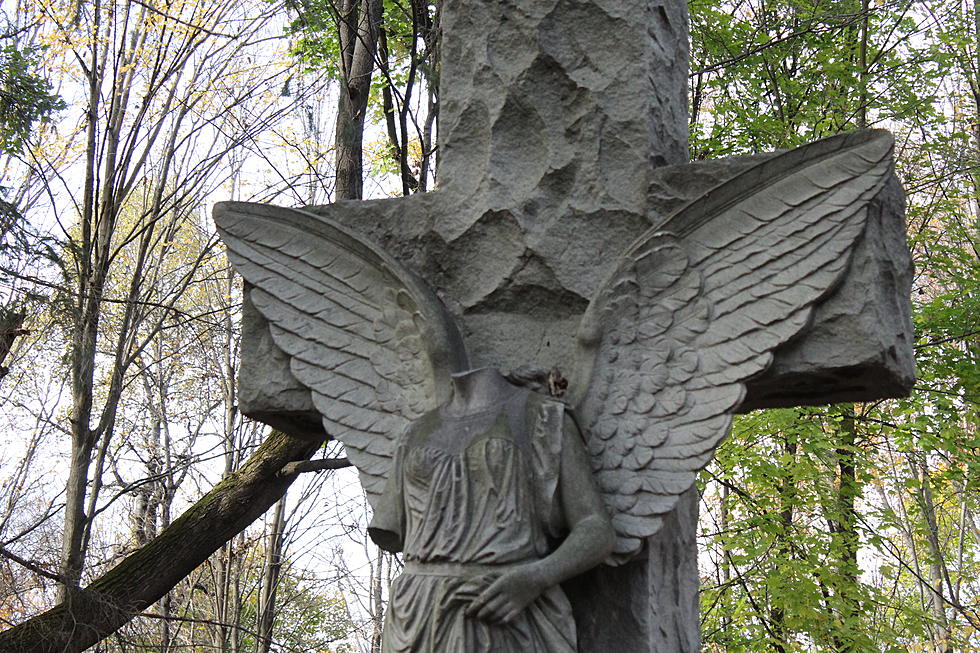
(556, 119)
(268, 391)
(647, 605)
(558, 107)
(859, 347)
(521, 303)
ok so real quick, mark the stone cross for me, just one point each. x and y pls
(563, 136)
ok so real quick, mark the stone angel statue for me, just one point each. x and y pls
(495, 494)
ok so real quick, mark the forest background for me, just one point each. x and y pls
(850, 528)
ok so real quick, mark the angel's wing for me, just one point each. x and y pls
(369, 339)
(695, 308)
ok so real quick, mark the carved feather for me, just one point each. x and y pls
(695, 308)
(372, 343)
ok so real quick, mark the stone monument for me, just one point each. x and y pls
(568, 233)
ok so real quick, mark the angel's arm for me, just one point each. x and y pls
(591, 536)
(590, 539)
(387, 527)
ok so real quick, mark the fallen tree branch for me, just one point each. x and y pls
(90, 615)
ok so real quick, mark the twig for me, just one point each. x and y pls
(36, 568)
(302, 466)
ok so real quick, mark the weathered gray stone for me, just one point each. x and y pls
(524, 314)
(621, 609)
(471, 515)
(857, 348)
(269, 392)
(559, 120)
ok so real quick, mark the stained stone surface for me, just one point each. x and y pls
(272, 394)
(858, 347)
(560, 108)
(644, 619)
(563, 137)
(421, 516)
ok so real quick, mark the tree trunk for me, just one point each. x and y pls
(842, 521)
(787, 499)
(99, 212)
(942, 634)
(11, 326)
(219, 633)
(358, 24)
(377, 604)
(847, 522)
(270, 581)
(725, 564)
(92, 614)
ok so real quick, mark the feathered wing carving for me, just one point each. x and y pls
(695, 308)
(372, 343)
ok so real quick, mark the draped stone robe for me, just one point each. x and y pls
(471, 495)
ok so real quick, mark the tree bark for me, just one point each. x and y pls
(842, 523)
(938, 578)
(315, 466)
(11, 326)
(846, 527)
(377, 603)
(787, 499)
(359, 21)
(266, 617)
(89, 615)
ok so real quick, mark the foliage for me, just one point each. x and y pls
(848, 528)
(775, 74)
(406, 74)
(314, 27)
(25, 97)
(853, 528)
(784, 580)
(309, 618)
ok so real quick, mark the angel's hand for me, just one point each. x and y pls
(507, 596)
